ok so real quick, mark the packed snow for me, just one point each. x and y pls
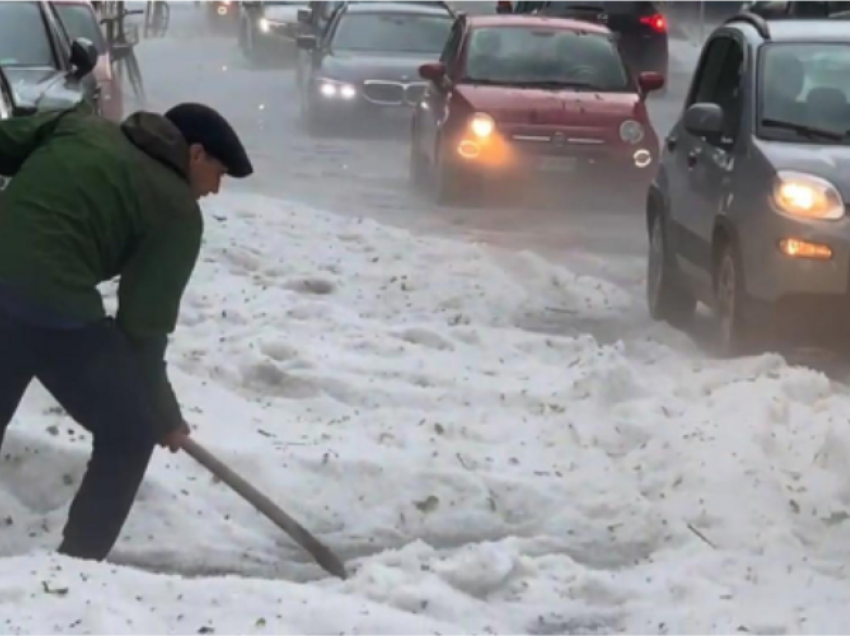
(427, 407)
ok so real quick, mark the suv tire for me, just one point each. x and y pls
(730, 296)
(666, 296)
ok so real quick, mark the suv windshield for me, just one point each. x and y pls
(23, 36)
(392, 33)
(805, 86)
(548, 57)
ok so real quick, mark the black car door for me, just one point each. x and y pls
(682, 153)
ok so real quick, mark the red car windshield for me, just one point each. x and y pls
(529, 56)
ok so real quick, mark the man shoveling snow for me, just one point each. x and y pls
(91, 200)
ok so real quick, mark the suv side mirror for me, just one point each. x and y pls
(650, 81)
(704, 120)
(305, 16)
(306, 42)
(84, 57)
(433, 71)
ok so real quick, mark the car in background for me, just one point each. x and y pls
(222, 15)
(641, 28)
(366, 64)
(80, 21)
(798, 10)
(748, 213)
(45, 68)
(531, 98)
(269, 30)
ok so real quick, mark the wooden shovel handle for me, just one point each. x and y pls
(321, 553)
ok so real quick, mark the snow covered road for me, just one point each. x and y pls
(397, 394)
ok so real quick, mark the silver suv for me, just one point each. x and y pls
(749, 210)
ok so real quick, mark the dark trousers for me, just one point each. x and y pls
(93, 375)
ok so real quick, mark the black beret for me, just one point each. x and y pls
(203, 125)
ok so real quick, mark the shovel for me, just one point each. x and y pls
(321, 553)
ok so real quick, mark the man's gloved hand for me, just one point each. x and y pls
(173, 440)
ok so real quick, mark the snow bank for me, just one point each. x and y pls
(395, 394)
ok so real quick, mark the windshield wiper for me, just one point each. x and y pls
(806, 131)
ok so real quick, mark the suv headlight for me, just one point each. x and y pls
(632, 131)
(807, 196)
(482, 125)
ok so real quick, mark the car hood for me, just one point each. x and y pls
(43, 88)
(828, 162)
(357, 67)
(513, 105)
(284, 12)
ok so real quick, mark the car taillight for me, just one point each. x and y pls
(657, 23)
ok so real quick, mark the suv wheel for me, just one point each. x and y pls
(667, 298)
(735, 337)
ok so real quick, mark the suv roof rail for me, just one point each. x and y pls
(754, 20)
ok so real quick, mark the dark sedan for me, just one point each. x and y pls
(367, 63)
(641, 27)
(45, 68)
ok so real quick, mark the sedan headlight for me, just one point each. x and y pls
(632, 131)
(333, 89)
(482, 125)
(807, 196)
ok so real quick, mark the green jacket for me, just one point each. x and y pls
(91, 200)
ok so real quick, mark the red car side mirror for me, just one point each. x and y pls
(434, 71)
(651, 81)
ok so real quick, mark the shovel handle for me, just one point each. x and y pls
(321, 553)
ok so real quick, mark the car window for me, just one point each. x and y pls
(719, 80)
(24, 40)
(450, 51)
(805, 84)
(708, 73)
(80, 22)
(518, 55)
(729, 91)
(392, 33)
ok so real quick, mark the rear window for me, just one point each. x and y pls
(527, 56)
(80, 22)
(24, 40)
(392, 33)
(611, 8)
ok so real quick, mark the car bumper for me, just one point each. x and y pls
(810, 291)
(359, 108)
(631, 167)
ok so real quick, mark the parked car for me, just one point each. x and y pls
(528, 97)
(269, 30)
(748, 213)
(44, 66)
(222, 15)
(81, 21)
(799, 10)
(641, 28)
(366, 65)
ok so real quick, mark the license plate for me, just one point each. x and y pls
(557, 164)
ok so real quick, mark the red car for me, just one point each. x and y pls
(531, 96)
